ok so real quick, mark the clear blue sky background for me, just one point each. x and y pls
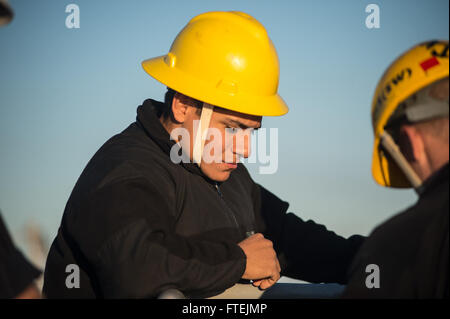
(64, 92)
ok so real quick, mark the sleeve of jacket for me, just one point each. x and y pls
(16, 272)
(306, 250)
(142, 256)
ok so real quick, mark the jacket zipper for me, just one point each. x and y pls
(228, 208)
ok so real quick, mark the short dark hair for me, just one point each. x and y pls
(168, 99)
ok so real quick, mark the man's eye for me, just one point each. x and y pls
(232, 130)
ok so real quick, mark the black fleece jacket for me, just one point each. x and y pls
(16, 272)
(137, 224)
(410, 249)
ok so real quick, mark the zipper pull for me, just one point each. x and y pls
(249, 233)
(218, 190)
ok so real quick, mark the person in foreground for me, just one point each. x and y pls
(164, 205)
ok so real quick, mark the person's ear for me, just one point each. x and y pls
(411, 144)
(179, 108)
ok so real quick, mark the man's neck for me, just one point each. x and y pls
(168, 125)
(437, 158)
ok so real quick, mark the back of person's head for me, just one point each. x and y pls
(420, 127)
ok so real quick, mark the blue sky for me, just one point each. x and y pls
(64, 92)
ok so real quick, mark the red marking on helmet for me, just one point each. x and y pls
(428, 64)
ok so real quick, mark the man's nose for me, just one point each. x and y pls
(242, 146)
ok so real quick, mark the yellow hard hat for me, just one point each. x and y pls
(419, 67)
(225, 59)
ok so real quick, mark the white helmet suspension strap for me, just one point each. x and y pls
(202, 130)
(390, 146)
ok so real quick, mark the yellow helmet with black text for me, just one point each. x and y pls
(416, 69)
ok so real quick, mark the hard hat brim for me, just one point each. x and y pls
(179, 81)
(384, 171)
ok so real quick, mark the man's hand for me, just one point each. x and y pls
(262, 262)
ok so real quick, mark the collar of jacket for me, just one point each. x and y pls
(439, 177)
(148, 119)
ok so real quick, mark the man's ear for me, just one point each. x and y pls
(411, 144)
(179, 108)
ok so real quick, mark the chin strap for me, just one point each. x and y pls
(390, 146)
(201, 132)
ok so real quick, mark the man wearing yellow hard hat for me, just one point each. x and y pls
(410, 115)
(139, 224)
